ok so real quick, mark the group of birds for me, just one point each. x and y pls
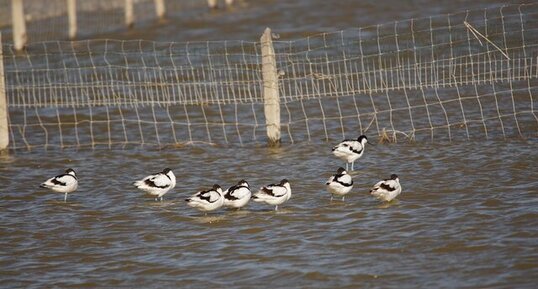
(237, 196)
(341, 183)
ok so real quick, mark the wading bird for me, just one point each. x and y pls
(340, 184)
(274, 194)
(157, 184)
(388, 189)
(64, 183)
(208, 200)
(350, 150)
(237, 196)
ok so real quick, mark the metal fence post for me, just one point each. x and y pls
(270, 88)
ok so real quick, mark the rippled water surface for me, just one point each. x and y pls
(467, 217)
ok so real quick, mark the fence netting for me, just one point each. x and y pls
(470, 75)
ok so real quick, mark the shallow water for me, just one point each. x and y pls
(467, 217)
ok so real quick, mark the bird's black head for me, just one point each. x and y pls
(70, 171)
(340, 170)
(216, 187)
(166, 171)
(242, 183)
(393, 176)
(283, 182)
(361, 138)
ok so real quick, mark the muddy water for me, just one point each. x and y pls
(467, 216)
(246, 20)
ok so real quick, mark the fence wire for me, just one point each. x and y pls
(471, 75)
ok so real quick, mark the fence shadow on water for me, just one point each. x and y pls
(465, 76)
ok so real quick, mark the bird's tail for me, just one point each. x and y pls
(44, 185)
(375, 193)
(258, 198)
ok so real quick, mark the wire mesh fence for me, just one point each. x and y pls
(471, 75)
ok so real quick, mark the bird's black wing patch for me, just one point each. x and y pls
(337, 179)
(151, 183)
(206, 196)
(355, 151)
(57, 182)
(229, 195)
(268, 191)
(56, 179)
(342, 143)
(387, 187)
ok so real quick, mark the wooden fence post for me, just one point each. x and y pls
(129, 13)
(270, 88)
(213, 4)
(72, 16)
(4, 129)
(160, 8)
(19, 24)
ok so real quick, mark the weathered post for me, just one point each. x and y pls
(270, 88)
(160, 8)
(72, 16)
(19, 24)
(213, 4)
(129, 13)
(4, 129)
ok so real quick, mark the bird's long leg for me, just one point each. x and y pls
(331, 197)
(343, 198)
(347, 166)
(352, 164)
(276, 208)
(65, 198)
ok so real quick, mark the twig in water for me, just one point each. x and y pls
(476, 33)
(373, 118)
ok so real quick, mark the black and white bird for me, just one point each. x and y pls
(340, 184)
(65, 183)
(274, 194)
(237, 196)
(157, 184)
(208, 200)
(388, 189)
(350, 150)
